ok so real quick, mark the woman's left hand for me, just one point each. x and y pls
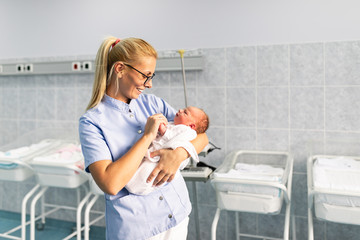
(168, 165)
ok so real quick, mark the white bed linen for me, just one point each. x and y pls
(337, 174)
(261, 173)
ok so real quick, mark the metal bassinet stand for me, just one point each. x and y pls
(57, 174)
(240, 195)
(341, 210)
(15, 167)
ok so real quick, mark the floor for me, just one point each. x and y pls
(54, 229)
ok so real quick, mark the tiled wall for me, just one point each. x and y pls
(275, 97)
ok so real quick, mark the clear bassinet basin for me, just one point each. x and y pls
(252, 181)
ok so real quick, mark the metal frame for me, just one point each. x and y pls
(286, 195)
(312, 191)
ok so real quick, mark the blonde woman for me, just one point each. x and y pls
(115, 132)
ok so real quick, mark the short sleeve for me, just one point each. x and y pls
(93, 144)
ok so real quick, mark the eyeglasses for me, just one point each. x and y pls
(145, 76)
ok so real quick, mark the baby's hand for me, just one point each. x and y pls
(162, 129)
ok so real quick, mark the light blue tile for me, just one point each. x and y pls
(342, 65)
(213, 73)
(85, 80)
(342, 231)
(342, 143)
(9, 130)
(342, 108)
(45, 81)
(216, 136)
(273, 65)
(299, 195)
(45, 104)
(9, 81)
(239, 138)
(66, 80)
(10, 102)
(205, 193)
(26, 126)
(177, 97)
(176, 79)
(307, 64)
(271, 225)
(66, 99)
(240, 66)
(307, 108)
(273, 107)
(241, 107)
(212, 101)
(11, 200)
(27, 106)
(304, 144)
(248, 223)
(83, 99)
(272, 140)
(206, 216)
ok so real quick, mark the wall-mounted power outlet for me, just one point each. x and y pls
(19, 68)
(1, 69)
(76, 66)
(86, 66)
(29, 67)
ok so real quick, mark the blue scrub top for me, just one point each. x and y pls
(108, 131)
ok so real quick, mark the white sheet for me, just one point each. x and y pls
(251, 172)
(25, 150)
(70, 153)
(337, 174)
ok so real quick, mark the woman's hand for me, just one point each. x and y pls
(153, 123)
(168, 165)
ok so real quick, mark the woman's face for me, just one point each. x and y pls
(131, 84)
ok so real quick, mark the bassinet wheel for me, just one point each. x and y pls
(40, 226)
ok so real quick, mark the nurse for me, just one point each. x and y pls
(118, 127)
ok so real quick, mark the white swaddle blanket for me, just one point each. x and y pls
(174, 137)
(252, 172)
(337, 174)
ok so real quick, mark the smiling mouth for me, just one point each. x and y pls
(140, 90)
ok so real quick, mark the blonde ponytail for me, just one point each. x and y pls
(111, 51)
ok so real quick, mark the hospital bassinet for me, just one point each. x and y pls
(14, 166)
(253, 181)
(333, 189)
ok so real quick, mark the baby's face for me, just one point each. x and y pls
(187, 116)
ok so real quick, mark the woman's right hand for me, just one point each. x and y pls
(153, 123)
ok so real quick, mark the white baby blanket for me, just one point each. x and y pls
(175, 136)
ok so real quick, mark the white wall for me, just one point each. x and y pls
(37, 28)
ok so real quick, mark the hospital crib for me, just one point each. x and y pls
(333, 189)
(14, 166)
(255, 182)
(49, 172)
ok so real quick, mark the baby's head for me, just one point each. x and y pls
(193, 117)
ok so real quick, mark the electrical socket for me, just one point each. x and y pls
(20, 68)
(86, 66)
(1, 69)
(76, 66)
(29, 67)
